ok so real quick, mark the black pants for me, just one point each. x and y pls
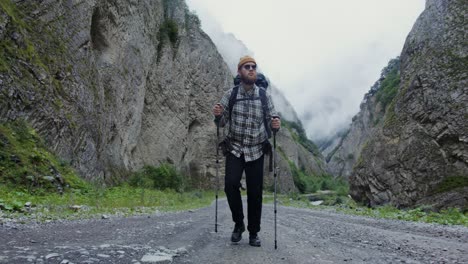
(254, 178)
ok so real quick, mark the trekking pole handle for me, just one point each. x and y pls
(275, 129)
(218, 118)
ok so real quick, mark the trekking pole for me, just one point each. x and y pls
(275, 174)
(217, 119)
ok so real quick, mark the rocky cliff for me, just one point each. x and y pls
(341, 159)
(420, 153)
(114, 85)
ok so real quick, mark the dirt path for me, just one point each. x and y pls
(304, 236)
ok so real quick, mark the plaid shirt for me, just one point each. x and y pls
(246, 129)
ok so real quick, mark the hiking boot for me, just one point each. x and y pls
(254, 240)
(237, 233)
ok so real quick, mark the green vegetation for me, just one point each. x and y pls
(306, 183)
(388, 90)
(391, 119)
(163, 177)
(451, 216)
(451, 183)
(170, 29)
(298, 133)
(23, 48)
(122, 200)
(388, 87)
(36, 48)
(9, 8)
(27, 167)
(346, 205)
(312, 183)
(455, 64)
(25, 162)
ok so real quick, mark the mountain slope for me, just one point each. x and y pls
(420, 153)
(345, 154)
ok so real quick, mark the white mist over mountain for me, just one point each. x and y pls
(322, 55)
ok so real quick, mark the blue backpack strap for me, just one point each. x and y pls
(263, 99)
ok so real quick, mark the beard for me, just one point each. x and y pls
(249, 80)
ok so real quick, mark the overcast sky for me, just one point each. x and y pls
(323, 55)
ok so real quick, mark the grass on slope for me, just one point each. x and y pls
(345, 205)
(122, 201)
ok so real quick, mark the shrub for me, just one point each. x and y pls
(170, 29)
(451, 183)
(312, 183)
(163, 177)
(389, 88)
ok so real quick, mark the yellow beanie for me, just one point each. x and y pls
(244, 60)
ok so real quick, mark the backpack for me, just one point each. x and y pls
(262, 83)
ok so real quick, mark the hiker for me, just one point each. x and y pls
(249, 126)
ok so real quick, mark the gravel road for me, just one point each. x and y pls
(304, 236)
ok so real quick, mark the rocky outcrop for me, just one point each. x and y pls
(330, 145)
(115, 85)
(420, 154)
(341, 159)
(312, 164)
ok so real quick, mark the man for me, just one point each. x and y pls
(247, 137)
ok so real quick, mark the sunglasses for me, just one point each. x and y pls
(249, 67)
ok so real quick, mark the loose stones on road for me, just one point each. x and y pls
(95, 254)
(163, 255)
(52, 255)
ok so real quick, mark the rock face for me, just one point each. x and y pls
(341, 159)
(420, 153)
(312, 164)
(114, 85)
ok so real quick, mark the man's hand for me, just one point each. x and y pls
(218, 110)
(275, 123)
